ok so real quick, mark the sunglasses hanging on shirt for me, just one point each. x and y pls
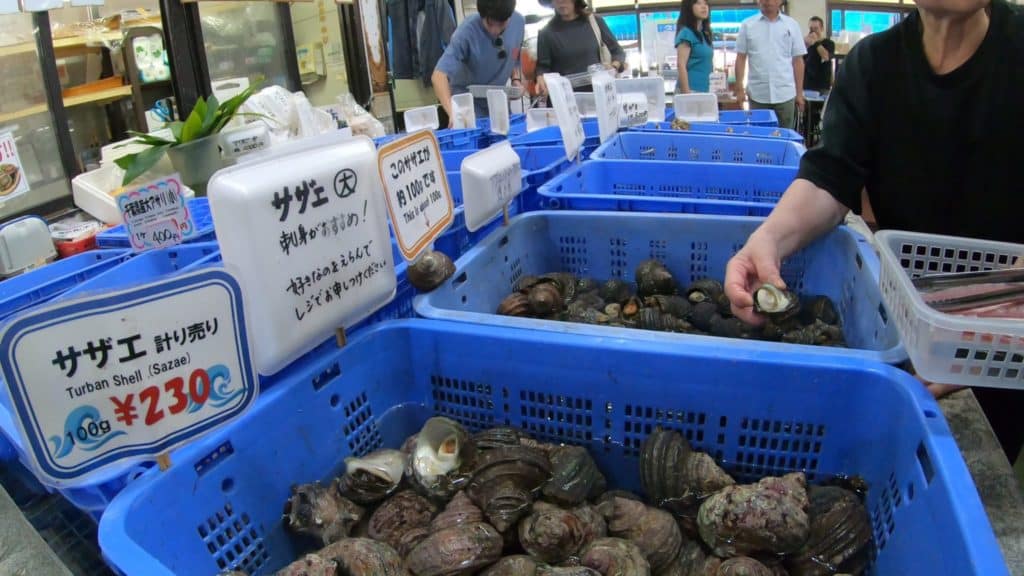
(499, 43)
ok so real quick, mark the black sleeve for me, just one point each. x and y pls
(618, 54)
(544, 52)
(849, 139)
(830, 46)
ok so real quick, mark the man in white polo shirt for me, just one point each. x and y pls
(773, 43)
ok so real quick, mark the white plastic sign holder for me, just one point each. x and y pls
(607, 103)
(102, 381)
(463, 111)
(696, 107)
(569, 122)
(309, 243)
(633, 110)
(497, 109)
(653, 87)
(422, 118)
(537, 118)
(491, 179)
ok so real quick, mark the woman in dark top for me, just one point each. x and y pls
(923, 117)
(568, 44)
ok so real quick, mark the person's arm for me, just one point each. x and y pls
(741, 62)
(442, 90)
(828, 185)
(798, 77)
(452, 62)
(682, 57)
(823, 52)
(618, 54)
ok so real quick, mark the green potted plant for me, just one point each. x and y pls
(194, 151)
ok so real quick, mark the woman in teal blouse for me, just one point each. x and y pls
(694, 51)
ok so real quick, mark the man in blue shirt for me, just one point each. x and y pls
(484, 50)
(773, 42)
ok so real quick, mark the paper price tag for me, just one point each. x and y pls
(416, 189)
(242, 141)
(13, 180)
(309, 243)
(569, 122)
(607, 102)
(121, 377)
(155, 215)
(632, 110)
(491, 178)
(497, 108)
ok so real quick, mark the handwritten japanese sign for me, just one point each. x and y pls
(13, 180)
(491, 178)
(416, 189)
(155, 214)
(309, 243)
(607, 103)
(122, 377)
(569, 122)
(653, 89)
(633, 109)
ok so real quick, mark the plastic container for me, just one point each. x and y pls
(25, 243)
(825, 416)
(682, 147)
(686, 187)
(539, 165)
(39, 285)
(422, 118)
(696, 107)
(603, 245)
(537, 118)
(199, 209)
(653, 87)
(552, 136)
(944, 347)
(752, 117)
(95, 192)
(745, 131)
(448, 139)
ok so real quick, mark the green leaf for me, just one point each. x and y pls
(176, 128)
(193, 124)
(228, 109)
(212, 108)
(135, 165)
(144, 138)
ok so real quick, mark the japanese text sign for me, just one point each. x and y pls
(491, 178)
(105, 380)
(305, 231)
(569, 122)
(13, 180)
(607, 103)
(155, 215)
(633, 109)
(416, 188)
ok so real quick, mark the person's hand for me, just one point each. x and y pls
(542, 86)
(801, 102)
(939, 391)
(741, 93)
(754, 265)
(810, 39)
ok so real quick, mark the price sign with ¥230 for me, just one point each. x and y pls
(126, 376)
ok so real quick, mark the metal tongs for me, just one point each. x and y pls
(935, 282)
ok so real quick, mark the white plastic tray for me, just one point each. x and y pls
(946, 348)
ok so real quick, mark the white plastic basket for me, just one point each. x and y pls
(696, 107)
(946, 348)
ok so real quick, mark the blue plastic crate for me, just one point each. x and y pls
(746, 131)
(758, 414)
(685, 147)
(448, 139)
(539, 165)
(752, 117)
(552, 136)
(685, 187)
(199, 208)
(602, 245)
(41, 284)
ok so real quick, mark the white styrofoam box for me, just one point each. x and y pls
(463, 112)
(96, 191)
(115, 150)
(696, 107)
(497, 111)
(25, 243)
(308, 267)
(585, 102)
(653, 87)
(537, 118)
(491, 178)
(422, 118)
(225, 89)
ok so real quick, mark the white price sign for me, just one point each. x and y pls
(491, 178)
(653, 89)
(633, 109)
(125, 376)
(497, 108)
(416, 188)
(569, 122)
(309, 243)
(155, 214)
(13, 180)
(607, 103)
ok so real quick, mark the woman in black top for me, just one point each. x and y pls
(924, 116)
(568, 43)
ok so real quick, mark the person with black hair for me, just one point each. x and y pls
(695, 54)
(485, 50)
(923, 116)
(818, 60)
(573, 40)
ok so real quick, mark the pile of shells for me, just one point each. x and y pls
(659, 302)
(499, 503)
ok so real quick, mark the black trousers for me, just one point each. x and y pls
(1005, 412)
